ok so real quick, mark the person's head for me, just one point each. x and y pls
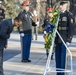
(63, 6)
(17, 21)
(26, 5)
(0, 3)
(49, 11)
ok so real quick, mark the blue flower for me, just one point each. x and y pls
(49, 28)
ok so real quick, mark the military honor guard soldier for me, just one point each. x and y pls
(25, 31)
(66, 30)
(46, 23)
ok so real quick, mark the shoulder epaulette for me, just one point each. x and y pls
(70, 13)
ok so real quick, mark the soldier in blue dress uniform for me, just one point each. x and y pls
(25, 31)
(47, 27)
(66, 30)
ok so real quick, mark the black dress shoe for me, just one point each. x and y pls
(24, 60)
(28, 60)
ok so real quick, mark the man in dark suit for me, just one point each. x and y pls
(6, 27)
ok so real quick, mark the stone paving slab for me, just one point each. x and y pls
(31, 74)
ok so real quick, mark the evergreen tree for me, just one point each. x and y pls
(12, 8)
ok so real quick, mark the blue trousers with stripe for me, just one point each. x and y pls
(60, 57)
(26, 44)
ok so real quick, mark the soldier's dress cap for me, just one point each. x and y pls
(62, 3)
(25, 3)
(50, 9)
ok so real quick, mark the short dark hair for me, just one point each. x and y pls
(17, 19)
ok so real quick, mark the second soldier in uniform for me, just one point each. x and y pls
(46, 23)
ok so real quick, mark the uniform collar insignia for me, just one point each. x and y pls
(26, 15)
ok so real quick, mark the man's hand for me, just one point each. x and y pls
(37, 23)
(22, 34)
(44, 36)
(5, 46)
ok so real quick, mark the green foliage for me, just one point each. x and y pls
(49, 36)
(12, 8)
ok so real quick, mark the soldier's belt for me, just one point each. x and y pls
(62, 28)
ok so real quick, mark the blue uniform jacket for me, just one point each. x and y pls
(65, 27)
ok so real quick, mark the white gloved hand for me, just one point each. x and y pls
(67, 43)
(22, 34)
(44, 32)
(37, 22)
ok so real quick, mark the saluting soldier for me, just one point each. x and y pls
(66, 30)
(25, 31)
(2, 12)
